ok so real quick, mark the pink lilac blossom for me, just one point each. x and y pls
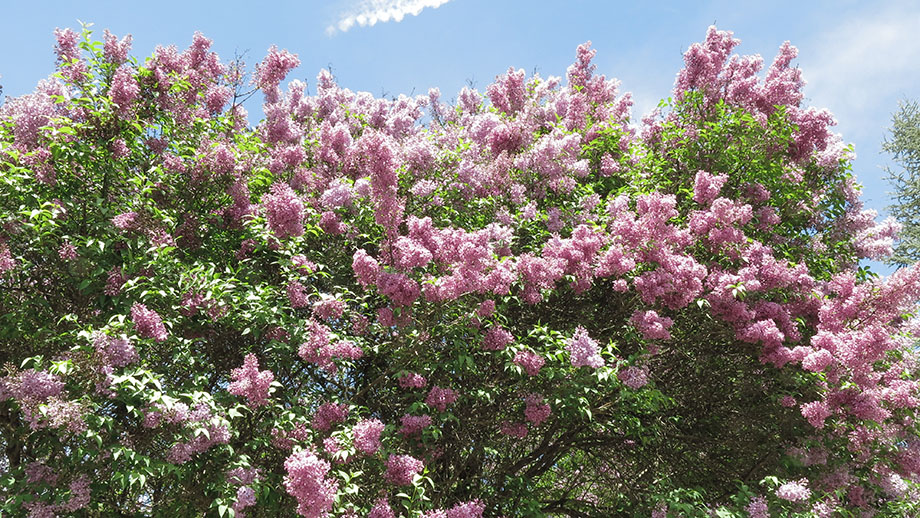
(818, 360)
(303, 264)
(825, 509)
(486, 308)
(401, 469)
(68, 252)
(31, 388)
(7, 262)
(331, 445)
(251, 383)
(306, 481)
(297, 295)
(37, 472)
(182, 452)
(147, 323)
(496, 338)
(58, 413)
(367, 435)
(79, 495)
(424, 188)
(328, 308)
(192, 301)
(816, 413)
(757, 508)
(245, 497)
(114, 351)
(554, 221)
(69, 62)
(126, 221)
(366, 268)
(329, 414)
(583, 350)
(439, 398)
(409, 253)
(471, 509)
(114, 51)
(318, 347)
(346, 349)
(216, 98)
(413, 425)
(507, 93)
(38, 509)
(536, 410)
(331, 223)
(530, 361)
(284, 211)
(381, 509)
(124, 90)
(338, 194)
(32, 112)
(398, 287)
(378, 150)
(794, 491)
(39, 161)
(272, 70)
(651, 325)
(359, 324)
(876, 241)
(412, 380)
(706, 187)
(286, 439)
(634, 377)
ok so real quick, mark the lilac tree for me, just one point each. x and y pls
(523, 303)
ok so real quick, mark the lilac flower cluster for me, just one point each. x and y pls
(536, 410)
(367, 435)
(306, 481)
(794, 491)
(284, 211)
(329, 414)
(328, 308)
(401, 469)
(124, 90)
(439, 398)
(147, 323)
(251, 383)
(412, 380)
(530, 361)
(413, 425)
(583, 350)
(321, 350)
(114, 351)
(634, 377)
(651, 325)
(496, 338)
(381, 509)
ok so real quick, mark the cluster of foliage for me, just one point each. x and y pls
(520, 304)
(904, 145)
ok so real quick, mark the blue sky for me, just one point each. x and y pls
(859, 58)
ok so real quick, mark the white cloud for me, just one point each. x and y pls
(857, 68)
(367, 13)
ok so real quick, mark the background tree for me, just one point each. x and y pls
(519, 304)
(904, 145)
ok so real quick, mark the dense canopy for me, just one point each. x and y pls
(520, 303)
